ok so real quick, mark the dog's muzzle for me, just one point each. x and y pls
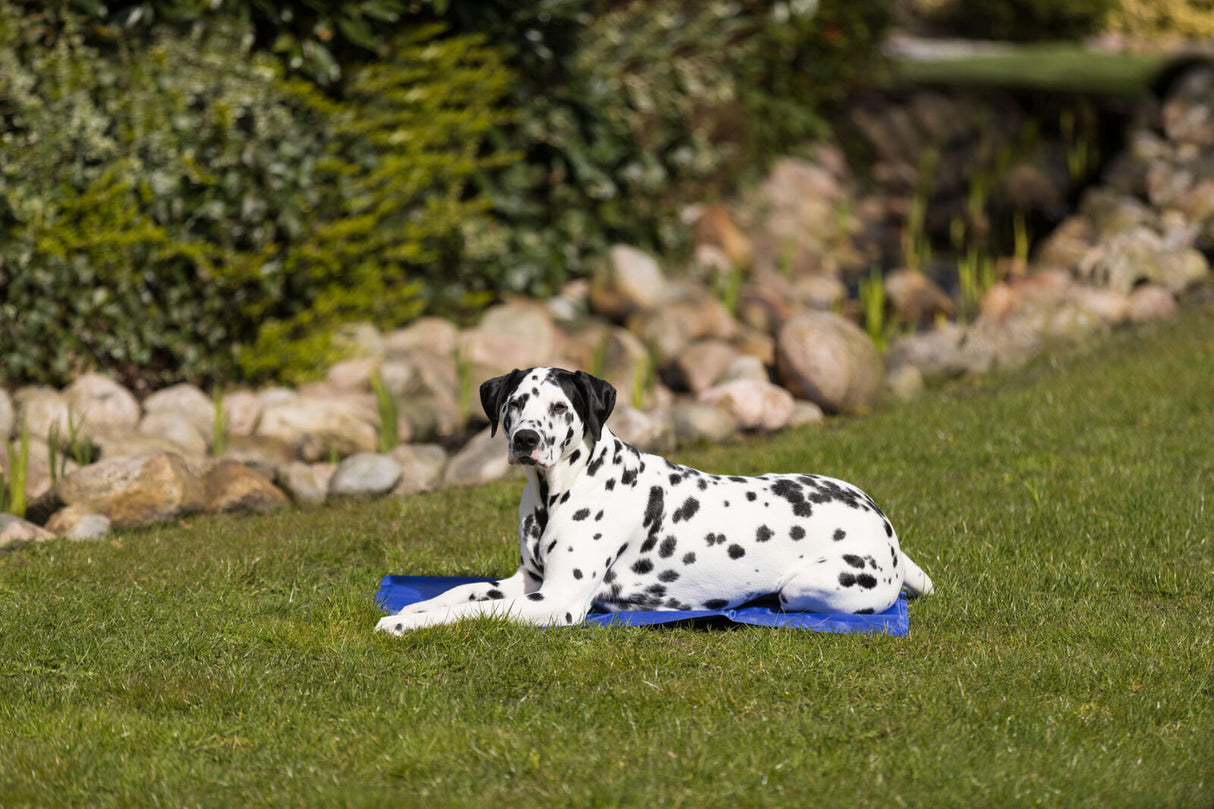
(523, 445)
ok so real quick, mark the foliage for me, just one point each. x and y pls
(1191, 19)
(1026, 20)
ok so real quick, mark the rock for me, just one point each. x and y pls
(316, 427)
(1188, 116)
(804, 229)
(42, 410)
(520, 334)
(483, 459)
(15, 531)
(258, 451)
(6, 415)
(232, 486)
(699, 365)
(915, 298)
(126, 443)
(766, 302)
(421, 467)
(359, 339)
(75, 522)
(353, 374)
(1122, 262)
(129, 491)
(102, 403)
(696, 422)
(626, 282)
(745, 366)
(824, 292)
(935, 354)
(324, 473)
(1110, 307)
(805, 413)
(716, 228)
(904, 382)
(187, 403)
(1066, 245)
(298, 481)
(241, 412)
(38, 472)
(693, 315)
(647, 431)
(822, 357)
(365, 474)
(432, 335)
(431, 417)
(752, 404)
(174, 427)
(1150, 302)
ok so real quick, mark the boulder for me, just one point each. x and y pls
(716, 228)
(130, 491)
(483, 459)
(42, 410)
(15, 531)
(102, 403)
(827, 359)
(752, 404)
(352, 374)
(421, 467)
(648, 431)
(432, 335)
(125, 443)
(519, 334)
(698, 366)
(231, 486)
(241, 412)
(1139, 256)
(1150, 302)
(1188, 114)
(365, 474)
(915, 298)
(298, 481)
(187, 403)
(318, 427)
(627, 281)
(175, 427)
(697, 422)
(76, 522)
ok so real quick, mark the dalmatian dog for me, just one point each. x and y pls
(603, 525)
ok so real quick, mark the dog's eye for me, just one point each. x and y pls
(514, 405)
(559, 407)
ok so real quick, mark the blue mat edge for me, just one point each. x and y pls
(397, 591)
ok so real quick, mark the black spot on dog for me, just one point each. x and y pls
(668, 546)
(676, 480)
(598, 516)
(751, 496)
(703, 484)
(597, 536)
(689, 558)
(714, 539)
(889, 529)
(865, 611)
(654, 509)
(853, 560)
(796, 532)
(866, 581)
(535, 597)
(568, 617)
(650, 542)
(495, 594)
(847, 579)
(642, 566)
(763, 534)
(840, 535)
(596, 463)
(716, 604)
(609, 577)
(668, 575)
(737, 479)
(736, 551)
(687, 510)
(565, 497)
(581, 514)
(577, 573)
(656, 590)
(795, 495)
(629, 478)
(577, 453)
(610, 484)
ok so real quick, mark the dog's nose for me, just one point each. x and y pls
(525, 441)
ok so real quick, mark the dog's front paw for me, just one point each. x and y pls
(395, 624)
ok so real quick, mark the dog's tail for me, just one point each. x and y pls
(914, 581)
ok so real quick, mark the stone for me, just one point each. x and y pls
(699, 365)
(241, 412)
(696, 422)
(1110, 307)
(935, 354)
(231, 486)
(1066, 244)
(432, 335)
(175, 427)
(752, 404)
(75, 522)
(1187, 113)
(359, 339)
(6, 415)
(824, 292)
(15, 531)
(827, 359)
(716, 228)
(38, 472)
(102, 403)
(745, 366)
(258, 451)
(805, 413)
(482, 460)
(421, 467)
(318, 427)
(648, 431)
(130, 491)
(915, 298)
(298, 481)
(627, 281)
(519, 334)
(42, 410)
(365, 474)
(188, 403)
(352, 374)
(1122, 262)
(126, 443)
(1150, 302)
(694, 315)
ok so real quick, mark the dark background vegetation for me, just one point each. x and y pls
(205, 191)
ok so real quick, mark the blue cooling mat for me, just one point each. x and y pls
(396, 592)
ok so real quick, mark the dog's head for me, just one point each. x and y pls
(545, 412)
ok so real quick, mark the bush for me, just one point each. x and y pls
(1026, 20)
(1189, 19)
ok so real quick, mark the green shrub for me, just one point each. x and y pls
(1026, 20)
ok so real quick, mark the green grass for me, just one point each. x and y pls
(1062, 67)
(1066, 659)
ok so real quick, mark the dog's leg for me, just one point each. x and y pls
(915, 581)
(508, 589)
(828, 587)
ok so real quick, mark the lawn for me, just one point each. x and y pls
(1067, 658)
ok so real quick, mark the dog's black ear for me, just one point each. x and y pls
(600, 401)
(493, 395)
